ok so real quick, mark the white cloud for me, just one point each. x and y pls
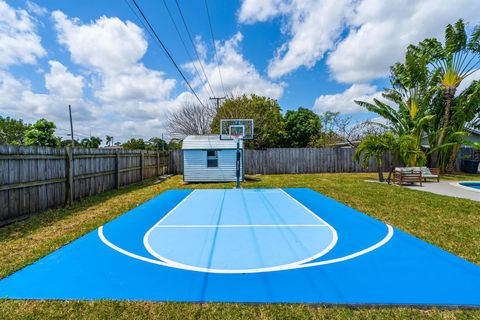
(468, 81)
(253, 11)
(35, 8)
(59, 81)
(108, 44)
(17, 98)
(312, 25)
(131, 99)
(135, 83)
(314, 28)
(19, 42)
(381, 31)
(378, 31)
(344, 102)
(113, 49)
(124, 98)
(239, 75)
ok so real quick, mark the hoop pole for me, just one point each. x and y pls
(238, 164)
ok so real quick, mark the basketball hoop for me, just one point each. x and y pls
(237, 130)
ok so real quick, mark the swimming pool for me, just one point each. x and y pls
(469, 185)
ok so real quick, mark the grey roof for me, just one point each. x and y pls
(474, 131)
(208, 142)
(474, 125)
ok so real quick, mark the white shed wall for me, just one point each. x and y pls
(195, 166)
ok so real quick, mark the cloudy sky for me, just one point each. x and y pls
(96, 56)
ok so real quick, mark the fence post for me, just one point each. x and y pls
(142, 165)
(166, 155)
(117, 169)
(69, 176)
(158, 163)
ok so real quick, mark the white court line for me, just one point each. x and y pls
(295, 265)
(334, 232)
(239, 225)
(307, 265)
(180, 265)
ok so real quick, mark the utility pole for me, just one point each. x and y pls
(163, 144)
(217, 99)
(71, 126)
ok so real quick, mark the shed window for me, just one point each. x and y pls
(212, 158)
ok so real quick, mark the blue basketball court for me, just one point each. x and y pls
(249, 245)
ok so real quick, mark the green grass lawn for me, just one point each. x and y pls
(452, 224)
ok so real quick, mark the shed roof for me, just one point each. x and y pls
(208, 142)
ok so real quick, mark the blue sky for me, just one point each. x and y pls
(319, 54)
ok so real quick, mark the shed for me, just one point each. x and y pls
(207, 158)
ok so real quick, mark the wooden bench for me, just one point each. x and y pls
(430, 173)
(407, 175)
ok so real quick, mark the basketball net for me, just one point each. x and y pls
(236, 137)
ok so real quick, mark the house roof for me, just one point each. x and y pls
(473, 126)
(208, 142)
(474, 131)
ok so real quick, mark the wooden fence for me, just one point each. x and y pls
(306, 160)
(33, 179)
(294, 160)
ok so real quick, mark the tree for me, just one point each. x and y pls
(41, 133)
(455, 61)
(135, 144)
(353, 132)
(68, 143)
(191, 119)
(404, 147)
(413, 89)
(374, 147)
(92, 142)
(302, 127)
(330, 123)
(269, 126)
(156, 144)
(109, 140)
(174, 144)
(465, 110)
(12, 131)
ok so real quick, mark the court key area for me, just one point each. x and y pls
(249, 245)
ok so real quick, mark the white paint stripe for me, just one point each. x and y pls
(239, 225)
(307, 265)
(332, 229)
(127, 253)
(325, 250)
(356, 254)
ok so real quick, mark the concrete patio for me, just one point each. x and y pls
(447, 188)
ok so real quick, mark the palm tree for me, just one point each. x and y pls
(109, 140)
(374, 146)
(403, 147)
(92, 142)
(465, 112)
(455, 61)
(413, 89)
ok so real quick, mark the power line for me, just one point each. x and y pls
(185, 46)
(214, 47)
(165, 50)
(193, 44)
